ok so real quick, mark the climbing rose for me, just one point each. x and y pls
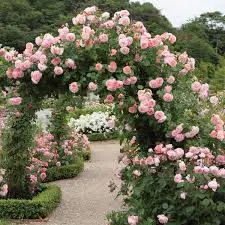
(98, 66)
(36, 76)
(70, 63)
(132, 220)
(171, 79)
(127, 70)
(162, 219)
(73, 87)
(15, 101)
(92, 86)
(58, 70)
(213, 184)
(168, 97)
(196, 86)
(112, 67)
(109, 99)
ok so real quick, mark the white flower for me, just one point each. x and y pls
(105, 15)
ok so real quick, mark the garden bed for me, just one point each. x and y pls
(64, 172)
(102, 136)
(38, 207)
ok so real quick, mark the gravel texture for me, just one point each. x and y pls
(86, 199)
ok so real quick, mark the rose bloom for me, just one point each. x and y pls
(113, 52)
(73, 87)
(137, 173)
(171, 79)
(178, 178)
(98, 66)
(213, 184)
(15, 101)
(56, 61)
(162, 219)
(132, 220)
(109, 99)
(92, 86)
(127, 70)
(214, 100)
(70, 37)
(133, 80)
(112, 67)
(70, 63)
(168, 97)
(103, 38)
(58, 70)
(36, 76)
(125, 21)
(196, 86)
(125, 50)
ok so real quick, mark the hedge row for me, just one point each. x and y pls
(64, 172)
(38, 207)
(102, 136)
(89, 110)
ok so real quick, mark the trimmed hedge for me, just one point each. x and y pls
(89, 110)
(38, 207)
(102, 136)
(64, 172)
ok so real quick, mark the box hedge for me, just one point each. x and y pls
(64, 172)
(38, 207)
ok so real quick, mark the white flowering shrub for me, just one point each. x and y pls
(97, 122)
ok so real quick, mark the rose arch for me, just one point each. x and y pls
(116, 58)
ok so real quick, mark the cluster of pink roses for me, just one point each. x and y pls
(179, 136)
(219, 130)
(196, 161)
(44, 153)
(202, 89)
(77, 141)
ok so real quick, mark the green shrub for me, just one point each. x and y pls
(38, 207)
(89, 110)
(102, 136)
(64, 172)
(86, 154)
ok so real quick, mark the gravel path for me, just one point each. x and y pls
(86, 199)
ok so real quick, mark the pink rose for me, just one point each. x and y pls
(171, 61)
(160, 116)
(168, 88)
(179, 137)
(43, 176)
(92, 86)
(178, 178)
(158, 82)
(213, 184)
(133, 80)
(125, 50)
(162, 219)
(172, 39)
(125, 21)
(15, 101)
(112, 67)
(144, 42)
(127, 70)
(103, 38)
(132, 220)
(70, 37)
(171, 79)
(196, 86)
(70, 63)
(56, 61)
(109, 99)
(36, 76)
(73, 87)
(113, 52)
(183, 58)
(98, 66)
(137, 173)
(168, 97)
(132, 109)
(58, 70)
(111, 124)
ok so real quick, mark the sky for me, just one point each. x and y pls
(179, 11)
